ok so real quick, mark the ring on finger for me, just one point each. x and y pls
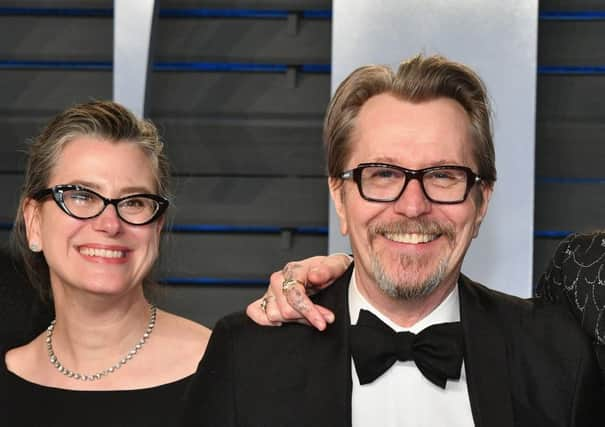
(263, 303)
(288, 284)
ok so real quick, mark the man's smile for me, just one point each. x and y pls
(411, 238)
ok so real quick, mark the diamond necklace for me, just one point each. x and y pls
(93, 377)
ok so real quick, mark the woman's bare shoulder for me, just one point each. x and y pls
(181, 338)
(26, 360)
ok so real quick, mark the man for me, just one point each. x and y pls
(411, 164)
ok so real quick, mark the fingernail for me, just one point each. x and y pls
(330, 318)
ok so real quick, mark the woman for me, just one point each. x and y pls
(88, 229)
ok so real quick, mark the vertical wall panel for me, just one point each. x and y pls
(132, 33)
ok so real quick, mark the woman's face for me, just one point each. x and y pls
(102, 255)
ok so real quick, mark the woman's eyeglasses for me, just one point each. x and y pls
(82, 203)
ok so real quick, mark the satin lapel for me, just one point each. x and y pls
(329, 359)
(485, 360)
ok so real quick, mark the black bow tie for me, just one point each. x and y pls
(436, 350)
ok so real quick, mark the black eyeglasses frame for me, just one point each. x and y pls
(410, 174)
(57, 194)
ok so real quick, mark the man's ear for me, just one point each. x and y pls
(336, 186)
(486, 193)
(31, 218)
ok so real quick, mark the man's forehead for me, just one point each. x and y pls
(387, 107)
(418, 134)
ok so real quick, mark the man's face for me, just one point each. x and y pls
(410, 246)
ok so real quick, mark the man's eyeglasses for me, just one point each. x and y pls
(381, 182)
(82, 203)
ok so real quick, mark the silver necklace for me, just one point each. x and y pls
(93, 377)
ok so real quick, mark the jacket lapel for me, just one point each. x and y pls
(485, 360)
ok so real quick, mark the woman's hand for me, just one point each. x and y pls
(286, 299)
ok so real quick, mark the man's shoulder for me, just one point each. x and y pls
(242, 332)
(491, 299)
(239, 327)
(237, 323)
(236, 319)
(535, 316)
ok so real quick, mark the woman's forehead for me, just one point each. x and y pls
(104, 163)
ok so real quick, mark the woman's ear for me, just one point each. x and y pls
(160, 223)
(31, 218)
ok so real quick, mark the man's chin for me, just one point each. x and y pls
(406, 282)
(407, 291)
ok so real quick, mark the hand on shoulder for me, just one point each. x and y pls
(286, 298)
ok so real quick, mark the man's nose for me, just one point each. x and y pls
(412, 202)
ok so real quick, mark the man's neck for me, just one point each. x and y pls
(403, 312)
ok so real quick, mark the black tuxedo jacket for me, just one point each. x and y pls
(527, 364)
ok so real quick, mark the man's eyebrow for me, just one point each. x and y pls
(394, 161)
(446, 162)
(382, 159)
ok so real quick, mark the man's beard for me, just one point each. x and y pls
(399, 287)
(404, 282)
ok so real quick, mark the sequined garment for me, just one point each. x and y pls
(576, 277)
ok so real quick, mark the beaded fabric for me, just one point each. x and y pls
(576, 277)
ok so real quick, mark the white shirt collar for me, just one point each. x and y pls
(447, 311)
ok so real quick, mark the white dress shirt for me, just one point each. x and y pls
(402, 396)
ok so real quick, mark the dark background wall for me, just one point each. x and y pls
(570, 123)
(245, 144)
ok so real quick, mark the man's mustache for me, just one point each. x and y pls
(414, 226)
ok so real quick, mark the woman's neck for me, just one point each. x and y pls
(93, 333)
